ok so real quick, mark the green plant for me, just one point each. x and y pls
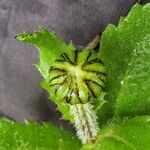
(73, 79)
(113, 106)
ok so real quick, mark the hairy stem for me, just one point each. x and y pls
(85, 122)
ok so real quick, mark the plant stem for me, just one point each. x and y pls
(85, 122)
(92, 44)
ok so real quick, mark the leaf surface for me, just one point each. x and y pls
(126, 134)
(125, 50)
(29, 136)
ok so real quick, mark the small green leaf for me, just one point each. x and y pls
(50, 46)
(127, 134)
(125, 51)
(30, 136)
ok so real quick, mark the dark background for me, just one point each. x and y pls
(78, 20)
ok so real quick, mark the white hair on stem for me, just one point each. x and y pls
(85, 122)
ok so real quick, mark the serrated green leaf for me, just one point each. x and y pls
(30, 136)
(128, 134)
(50, 46)
(125, 50)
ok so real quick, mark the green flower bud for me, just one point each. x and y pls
(77, 78)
